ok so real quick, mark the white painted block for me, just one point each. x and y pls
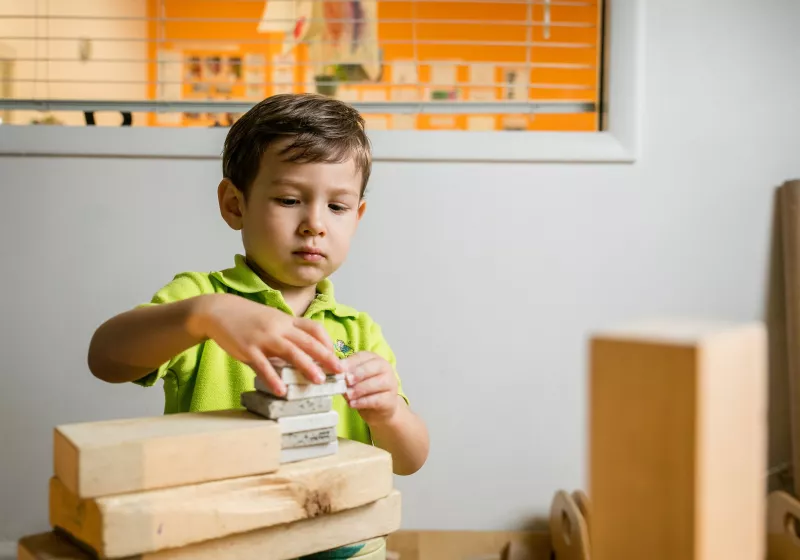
(291, 376)
(294, 454)
(306, 422)
(274, 408)
(310, 437)
(294, 392)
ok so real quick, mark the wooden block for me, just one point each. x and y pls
(291, 376)
(790, 226)
(568, 528)
(279, 542)
(96, 459)
(294, 454)
(292, 424)
(295, 392)
(468, 545)
(307, 438)
(127, 524)
(783, 523)
(678, 441)
(268, 406)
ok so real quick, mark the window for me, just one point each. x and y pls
(421, 71)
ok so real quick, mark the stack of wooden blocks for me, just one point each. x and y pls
(207, 486)
(304, 414)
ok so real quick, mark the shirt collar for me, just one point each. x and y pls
(243, 279)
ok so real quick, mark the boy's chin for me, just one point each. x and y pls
(306, 278)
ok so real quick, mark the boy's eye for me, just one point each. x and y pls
(337, 207)
(288, 201)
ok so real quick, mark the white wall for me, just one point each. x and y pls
(39, 44)
(487, 278)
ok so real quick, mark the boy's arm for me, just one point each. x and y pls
(132, 344)
(405, 436)
(135, 343)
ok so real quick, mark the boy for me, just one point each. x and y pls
(295, 168)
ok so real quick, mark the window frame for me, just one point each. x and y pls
(618, 141)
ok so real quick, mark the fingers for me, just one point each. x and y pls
(382, 400)
(371, 385)
(364, 370)
(304, 363)
(311, 346)
(266, 371)
(356, 360)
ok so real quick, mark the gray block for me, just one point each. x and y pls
(273, 407)
(310, 437)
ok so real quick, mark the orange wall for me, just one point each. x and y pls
(244, 38)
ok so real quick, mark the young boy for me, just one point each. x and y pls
(295, 168)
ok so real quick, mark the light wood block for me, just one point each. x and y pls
(295, 392)
(274, 408)
(783, 523)
(678, 441)
(292, 424)
(94, 459)
(280, 542)
(127, 524)
(790, 226)
(294, 454)
(309, 437)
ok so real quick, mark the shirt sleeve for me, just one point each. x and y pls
(184, 286)
(377, 343)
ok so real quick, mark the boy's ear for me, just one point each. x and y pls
(362, 207)
(231, 204)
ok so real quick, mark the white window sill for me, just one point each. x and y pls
(618, 143)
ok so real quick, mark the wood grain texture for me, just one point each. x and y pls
(280, 542)
(95, 459)
(790, 221)
(141, 522)
(678, 441)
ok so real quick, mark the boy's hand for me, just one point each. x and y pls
(254, 334)
(373, 386)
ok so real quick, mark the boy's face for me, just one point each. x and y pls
(299, 218)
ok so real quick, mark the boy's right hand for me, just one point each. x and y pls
(254, 333)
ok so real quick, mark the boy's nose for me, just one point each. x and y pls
(312, 225)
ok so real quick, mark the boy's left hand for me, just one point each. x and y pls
(372, 386)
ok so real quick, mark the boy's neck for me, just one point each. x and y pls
(298, 299)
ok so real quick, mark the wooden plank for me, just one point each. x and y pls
(790, 222)
(568, 528)
(95, 459)
(136, 523)
(280, 542)
(468, 545)
(678, 441)
(783, 523)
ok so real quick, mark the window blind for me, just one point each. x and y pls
(472, 65)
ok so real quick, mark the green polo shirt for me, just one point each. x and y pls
(205, 377)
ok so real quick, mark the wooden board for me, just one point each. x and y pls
(783, 522)
(281, 542)
(136, 523)
(568, 528)
(678, 430)
(790, 221)
(467, 545)
(104, 458)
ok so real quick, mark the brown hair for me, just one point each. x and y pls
(322, 130)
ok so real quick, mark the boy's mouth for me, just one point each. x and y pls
(311, 254)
